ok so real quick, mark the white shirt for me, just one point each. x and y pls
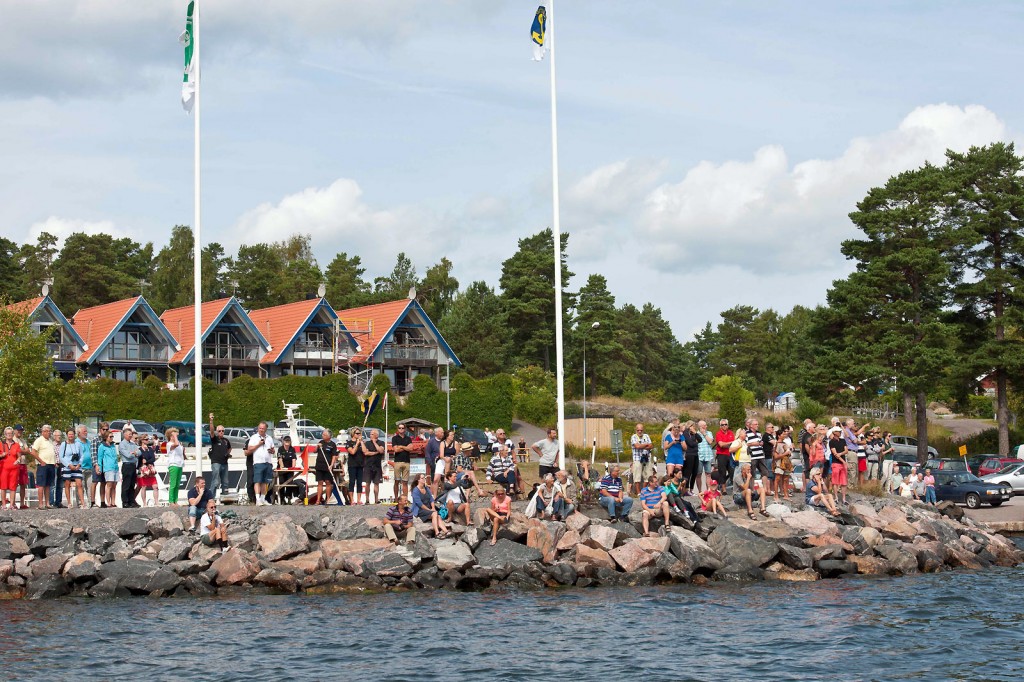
(264, 453)
(176, 456)
(455, 495)
(204, 523)
(548, 451)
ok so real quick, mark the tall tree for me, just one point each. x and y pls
(12, 276)
(256, 270)
(37, 262)
(743, 339)
(528, 297)
(96, 269)
(987, 205)
(215, 275)
(889, 308)
(607, 359)
(171, 285)
(301, 274)
(475, 326)
(346, 286)
(438, 289)
(396, 285)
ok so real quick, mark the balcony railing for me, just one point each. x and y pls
(143, 352)
(231, 351)
(407, 352)
(61, 351)
(313, 351)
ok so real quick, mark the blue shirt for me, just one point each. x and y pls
(650, 497)
(673, 449)
(704, 450)
(107, 457)
(420, 500)
(610, 484)
(68, 451)
(431, 453)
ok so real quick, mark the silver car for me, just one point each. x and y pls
(238, 436)
(908, 445)
(1011, 475)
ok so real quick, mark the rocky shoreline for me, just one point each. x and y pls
(314, 551)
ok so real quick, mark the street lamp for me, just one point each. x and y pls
(448, 391)
(585, 441)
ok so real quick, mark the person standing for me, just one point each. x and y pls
(26, 465)
(326, 459)
(373, 465)
(673, 445)
(97, 469)
(433, 452)
(71, 467)
(175, 465)
(108, 464)
(220, 452)
(547, 453)
(755, 450)
(643, 467)
(128, 456)
(723, 457)
(402, 446)
(46, 458)
(691, 455)
(356, 459)
(10, 451)
(840, 476)
(705, 454)
(146, 479)
(261, 449)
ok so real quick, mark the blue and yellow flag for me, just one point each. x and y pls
(369, 404)
(540, 24)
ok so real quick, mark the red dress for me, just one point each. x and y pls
(9, 465)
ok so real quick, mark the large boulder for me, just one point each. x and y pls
(346, 529)
(281, 581)
(900, 530)
(81, 566)
(134, 525)
(831, 568)
(632, 557)
(891, 513)
(871, 565)
(13, 547)
(795, 557)
(577, 522)
(950, 509)
(47, 586)
(828, 539)
(697, 554)
(778, 511)
(739, 547)
(516, 528)
(773, 530)
(473, 536)
(587, 555)
(281, 539)
(780, 571)
(304, 564)
(100, 539)
(544, 538)
(175, 549)
(810, 522)
(50, 565)
(600, 537)
(454, 555)
(901, 559)
(505, 554)
(381, 563)
(568, 541)
(335, 551)
(562, 573)
(235, 567)
(867, 515)
(870, 536)
(148, 577)
(165, 525)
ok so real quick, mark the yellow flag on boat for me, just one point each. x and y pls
(537, 32)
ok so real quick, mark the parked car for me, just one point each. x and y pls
(908, 445)
(993, 464)
(966, 488)
(974, 463)
(187, 432)
(142, 428)
(470, 435)
(796, 477)
(238, 436)
(946, 465)
(1012, 475)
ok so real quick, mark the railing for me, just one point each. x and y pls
(360, 381)
(407, 352)
(404, 387)
(313, 351)
(231, 351)
(143, 352)
(878, 410)
(61, 351)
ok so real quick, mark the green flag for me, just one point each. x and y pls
(188, 84)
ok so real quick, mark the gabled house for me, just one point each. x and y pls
(231, 343)
(65, 345)
(306, 337)
(124, 340)
(397, 339)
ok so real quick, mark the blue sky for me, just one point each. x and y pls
(710, 151)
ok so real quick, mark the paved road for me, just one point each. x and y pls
(529, 431)
(1008, 516)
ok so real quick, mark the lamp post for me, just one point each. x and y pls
(585, 441)
(448, 391)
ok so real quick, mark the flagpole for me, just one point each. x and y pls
(557, 241)
(197, 259)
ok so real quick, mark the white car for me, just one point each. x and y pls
(1011, 475)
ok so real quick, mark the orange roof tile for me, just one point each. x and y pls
(95, 324)
(280, 324)
(181, 323)
(27, 307)
(370, 323)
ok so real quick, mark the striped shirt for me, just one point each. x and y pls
(638, 439)
(651, 496)
(610, 484)
(404, 516)
(755, 445)
(499, 465)
(460, 460)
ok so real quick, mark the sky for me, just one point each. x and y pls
(709, 152)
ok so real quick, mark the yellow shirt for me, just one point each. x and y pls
(44, 449)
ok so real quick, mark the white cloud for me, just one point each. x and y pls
(62, 228)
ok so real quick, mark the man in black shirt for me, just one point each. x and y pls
(402, 444)
(220, 451)
(326, 458)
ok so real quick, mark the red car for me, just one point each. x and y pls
(993, 465)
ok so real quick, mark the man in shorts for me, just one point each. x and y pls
(213, 532)
(261, 448)
(547, 453)
(643, 467)
(46, 456)
(401, 442)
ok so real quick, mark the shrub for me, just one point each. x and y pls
(731, 407)
(717, 389)
(809, 408)
(979, 406)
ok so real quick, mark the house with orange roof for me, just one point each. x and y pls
(65, 345)
(231, 343)
(399, 340)
(124, 340)
(306, 337)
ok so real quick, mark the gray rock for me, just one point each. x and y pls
(795, 557)
(563, 573)
(315, 529)
(108, 588)
(827, 552)
(49, 565)
(830, 568)
(520, 580)
(353, 530)
(429, 577)
(12, 547)
(281, 539)
(47, 586)
(29, 535)
(188, 566)
(473, 537)
(81, 567)
(951, 510)
(505, 554)
(390, 565)
(454, 555)
(198, 587)
(148, 576)
(136, 525)
(735, 573)
(739, 547)
(55, 528)
(100, 539)
(165, 525)
(902, 560)
(695, 553)
(175, 549)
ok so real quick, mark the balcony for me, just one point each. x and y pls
(418, 355)
(140, 352)
(231, 353)
(313, 351)
(62, 351)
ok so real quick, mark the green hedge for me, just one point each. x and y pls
(325, 400)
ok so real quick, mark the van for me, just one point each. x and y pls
(187, 432)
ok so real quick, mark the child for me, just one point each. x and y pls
(675, 489)
(710, 500)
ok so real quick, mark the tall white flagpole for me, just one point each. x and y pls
(557, 240)
(197, 258)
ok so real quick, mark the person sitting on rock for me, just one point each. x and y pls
(213, 532)
(502, 469)
(499, 512)
(398, 522)
(198, 496)
(568, 489)
(424, 507)
(817, 494)
(745, 493)
(675, 489)
(455, 498)
(613, 496)
(653, 504)
(549, 499)
(465, 472)
(711, 500)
